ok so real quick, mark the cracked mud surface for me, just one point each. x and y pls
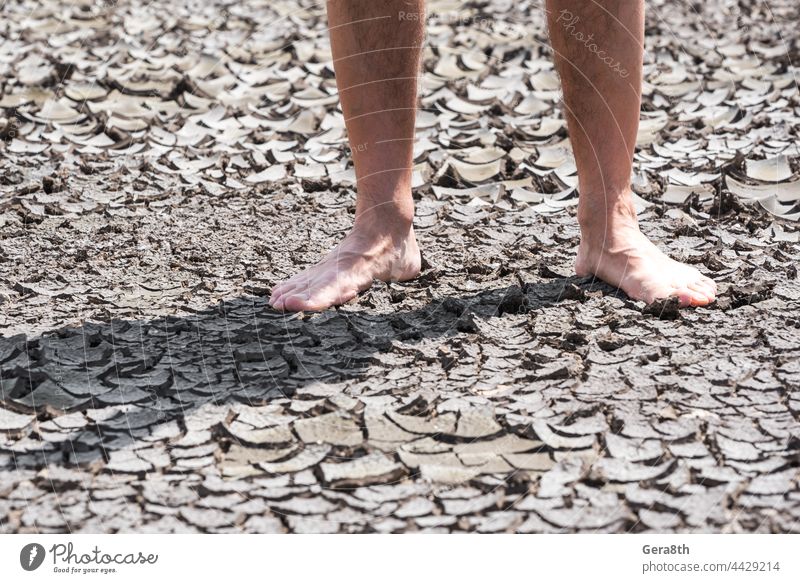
(146, 386)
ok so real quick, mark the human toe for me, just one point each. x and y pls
(701, 287)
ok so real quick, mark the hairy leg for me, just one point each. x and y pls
(376, 48)
(598, 47)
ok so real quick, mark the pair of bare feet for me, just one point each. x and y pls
(377, 55)
(613, 249)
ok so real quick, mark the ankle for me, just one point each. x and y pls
(603, 217)
(608, 228)
(391, 231)
(385, 220)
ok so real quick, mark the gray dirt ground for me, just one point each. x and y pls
(163, 167)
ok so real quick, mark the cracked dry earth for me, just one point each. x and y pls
(162, 167)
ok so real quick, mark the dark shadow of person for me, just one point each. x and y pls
(237, 351)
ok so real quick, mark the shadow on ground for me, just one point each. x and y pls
(240, 350)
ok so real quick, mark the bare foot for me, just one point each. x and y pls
(363, 256)
(617, 252)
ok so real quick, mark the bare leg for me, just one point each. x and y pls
(376, 50)
(598, 46)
